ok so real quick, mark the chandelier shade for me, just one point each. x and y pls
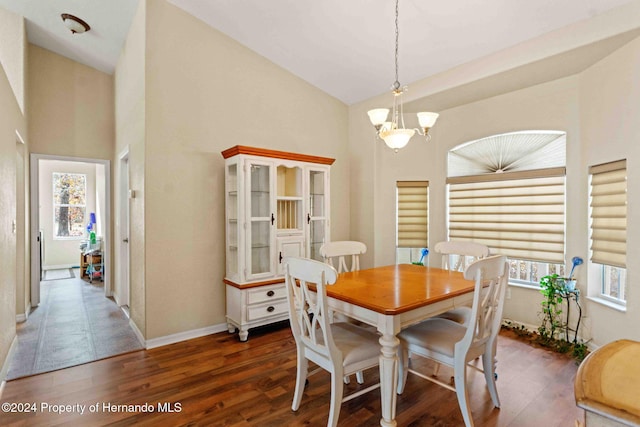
(427, 120)
(394, 133)
(397, 138)
(378, 116)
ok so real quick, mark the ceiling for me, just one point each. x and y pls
(344, 47)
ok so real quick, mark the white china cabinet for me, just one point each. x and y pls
(277, 205)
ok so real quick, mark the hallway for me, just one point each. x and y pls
(74, 324)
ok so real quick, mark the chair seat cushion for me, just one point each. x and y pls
(460, 315)
(437, 334)
(357, 344)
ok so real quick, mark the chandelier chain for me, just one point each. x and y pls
(396, 84)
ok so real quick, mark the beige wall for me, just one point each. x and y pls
(12, 154)
(13, 46)
(71, 110)
(11, 119)
(130, 137)
(206, 93)
(610, 130)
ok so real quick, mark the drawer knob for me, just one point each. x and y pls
(270, 308)
(270, 293)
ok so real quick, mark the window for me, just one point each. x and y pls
(507, 191)
(412, 225)
(518, 214)
(69, 205)
(609, 227)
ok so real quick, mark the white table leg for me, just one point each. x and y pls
(388, 378)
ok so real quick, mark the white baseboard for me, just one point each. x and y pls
(514, 323)
(5, 364)
(137, 332)
(58, 267)
(187, 335)
(23, 317)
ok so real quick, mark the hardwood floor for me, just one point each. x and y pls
(220, 381)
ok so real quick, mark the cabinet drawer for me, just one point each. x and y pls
(267, 310)
(266, 293)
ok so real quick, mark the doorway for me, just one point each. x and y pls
(51, 248)
(47, 244)
(73, 318)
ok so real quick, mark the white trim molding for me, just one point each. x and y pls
(184, 336)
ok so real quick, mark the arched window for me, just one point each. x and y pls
(508, 191)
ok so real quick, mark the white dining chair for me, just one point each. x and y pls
(336, 253)
(455, 255)
(455, 345)
(339, 348)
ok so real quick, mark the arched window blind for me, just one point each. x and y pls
(609, 213)
(518, 214)
(413, 214)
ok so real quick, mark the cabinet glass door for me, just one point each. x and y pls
(317, 215)
(231, 191)
(261, 218)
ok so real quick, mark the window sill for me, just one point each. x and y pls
(524, 286)
(610, 304)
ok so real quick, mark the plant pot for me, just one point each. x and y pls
(570, 285)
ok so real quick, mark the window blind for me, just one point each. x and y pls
(413, 214)
(609, 213)
(518, 214)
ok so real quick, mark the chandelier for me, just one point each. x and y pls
(394, 133)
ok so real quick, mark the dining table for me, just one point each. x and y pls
(391, 298)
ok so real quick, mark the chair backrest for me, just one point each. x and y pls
(340, 249)
(460, 250)
(306, 281)
(491, 276)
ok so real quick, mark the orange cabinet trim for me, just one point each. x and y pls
(264, 152)
(254, 284)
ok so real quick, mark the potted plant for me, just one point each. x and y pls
(555, 290)
(552, 287)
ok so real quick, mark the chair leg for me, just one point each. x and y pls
(337, 388)
(301, 378)
(460, 379)
(436, 369)
(488, 366)
(403, 367)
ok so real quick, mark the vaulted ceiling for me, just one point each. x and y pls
(344, 47)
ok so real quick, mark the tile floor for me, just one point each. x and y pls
(73, 324)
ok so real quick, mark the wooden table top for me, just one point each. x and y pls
(395, 289)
